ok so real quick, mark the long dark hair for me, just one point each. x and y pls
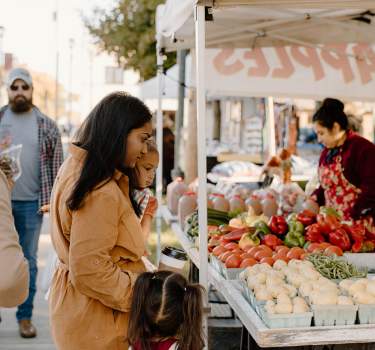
(331, 111)
(165, 305)
(103, 135)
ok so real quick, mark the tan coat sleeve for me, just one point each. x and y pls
(14, 270)
(94, 234)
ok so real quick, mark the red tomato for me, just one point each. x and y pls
(219, 250)
(238, 251)
(267, 260)
(246, 256)
(312, 247)
(279, 256)
(253, 250)
(303, 256)
(248, 262)
(225, 255)
(262, 254)
(279, 247)
(233, 261)
(298, 250)
(295, 253)
(333, 250)
(231, 246)
(325, 245)
(318, 250)
(283, 251)
(266, 248)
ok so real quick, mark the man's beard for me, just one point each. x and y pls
(20, 105)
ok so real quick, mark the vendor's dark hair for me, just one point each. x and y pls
(103, 135)
(165, 305)
(331, 111)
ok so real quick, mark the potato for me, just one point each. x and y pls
(323, 298)
(263, 294)
(300, 308)
(283, 299)
(284, 308)
(344, 300)
(371, 287)
(363, 297)
(346, 284)
(279, 265)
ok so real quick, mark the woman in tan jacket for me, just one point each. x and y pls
(95, 231)
(14, 269)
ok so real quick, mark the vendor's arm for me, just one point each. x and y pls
(318, 196)
(94, 234)
(365, 168)
(14, 275)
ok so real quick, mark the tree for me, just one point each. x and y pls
(128, 31)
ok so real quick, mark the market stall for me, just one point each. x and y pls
(312, 24)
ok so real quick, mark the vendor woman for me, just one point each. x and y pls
(346, 165)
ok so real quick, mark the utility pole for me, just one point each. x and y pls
(2, 61)
(56, 20)
(70, 115)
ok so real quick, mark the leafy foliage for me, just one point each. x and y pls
(128, 31)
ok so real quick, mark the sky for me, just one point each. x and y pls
(33, 37)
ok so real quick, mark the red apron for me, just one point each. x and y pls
(339, 193)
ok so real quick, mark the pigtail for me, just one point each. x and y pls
(191, 331)
(139, 328)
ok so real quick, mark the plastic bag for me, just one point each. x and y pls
(10, 162)
(291, 198)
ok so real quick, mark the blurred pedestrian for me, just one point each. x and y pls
(23, 123)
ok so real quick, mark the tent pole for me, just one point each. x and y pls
(179, 120)
(200, 36)
(159, 142)
(270, 115)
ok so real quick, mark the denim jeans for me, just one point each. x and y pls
(28, 223)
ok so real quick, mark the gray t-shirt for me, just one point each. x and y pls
(22, 128)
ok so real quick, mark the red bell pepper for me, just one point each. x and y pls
(307, 217)
(278, 225)
(327, 223)
(357, 234)
(271, 241)
(313, 234)
(340, 238)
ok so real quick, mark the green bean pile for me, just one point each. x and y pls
(333, 268)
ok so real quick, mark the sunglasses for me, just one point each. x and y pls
(24, 87)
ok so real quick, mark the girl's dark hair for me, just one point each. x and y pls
(103, 135)
(165, 305)
(331, 111)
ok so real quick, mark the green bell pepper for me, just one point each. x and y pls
(294, 239)
(262, 228)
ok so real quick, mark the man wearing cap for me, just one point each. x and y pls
(23, 123)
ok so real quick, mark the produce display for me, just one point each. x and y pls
(298, 287)
(289, 254)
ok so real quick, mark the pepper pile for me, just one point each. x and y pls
(328, 228)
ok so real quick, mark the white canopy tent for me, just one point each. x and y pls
(255, 23)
